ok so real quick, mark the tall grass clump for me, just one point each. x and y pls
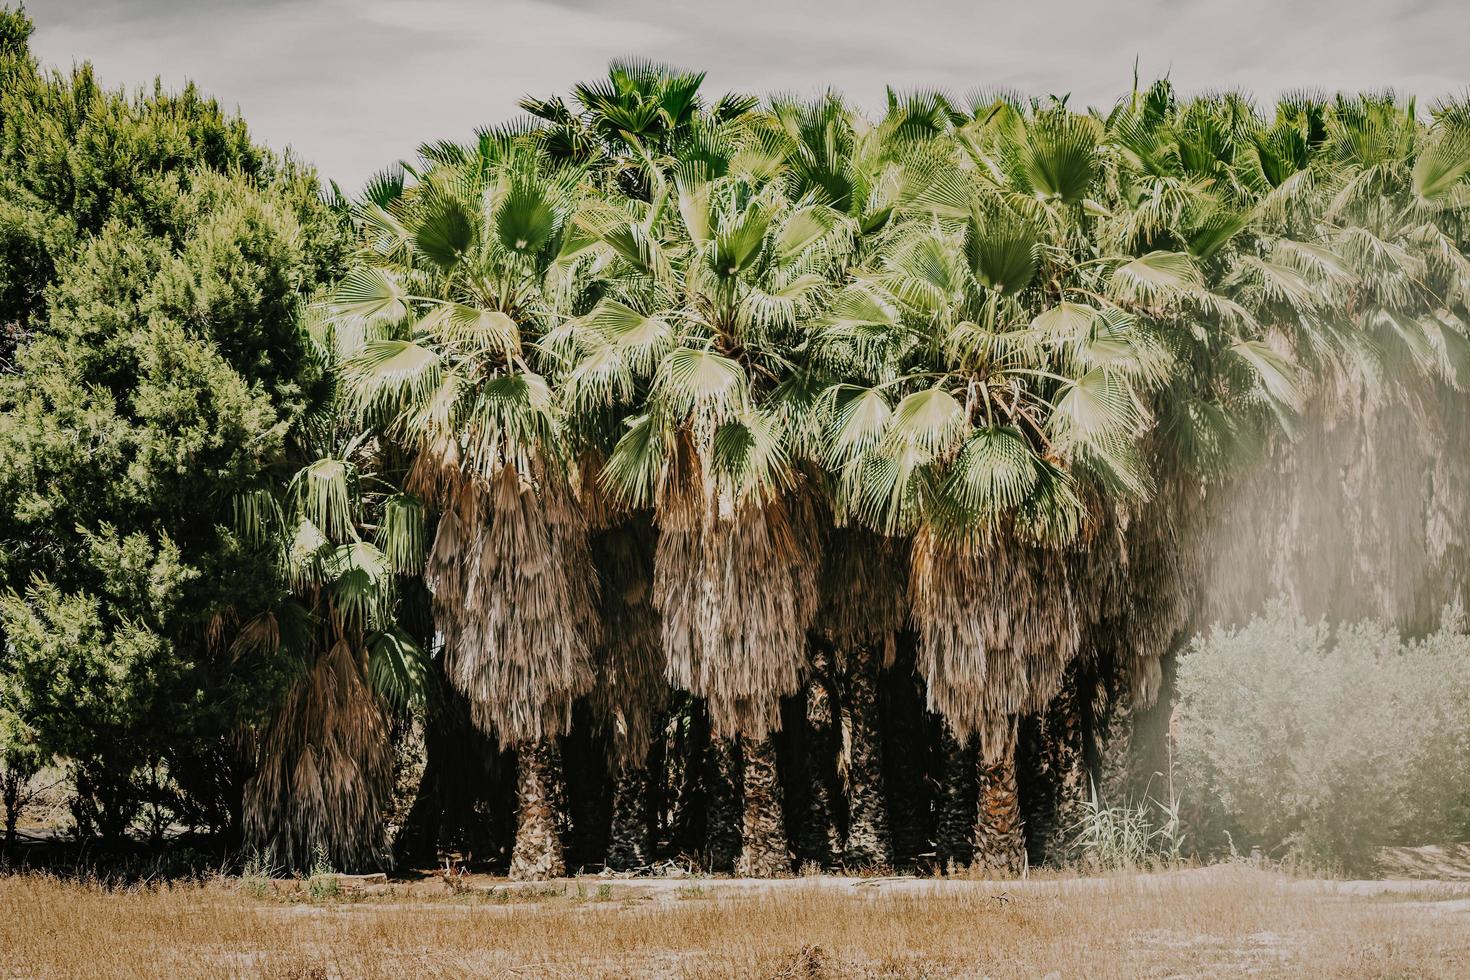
(1322, 744)
(1132, 836)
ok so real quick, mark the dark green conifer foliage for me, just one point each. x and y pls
(152, 260)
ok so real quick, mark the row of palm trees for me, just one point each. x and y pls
(654, 394)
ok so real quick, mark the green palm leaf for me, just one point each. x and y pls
(1212, 232)
(1002, 253)
(512, 418)
(699, 382)
(803, 229)
(401, 533)
(1059, 156)
(257, 515)
(369, 295)
(393, 374)
(1068, 321)
(325, 493)
(446, 233)
(995, 471)
(861, 416)
(932, 420)
(748, 455)
(738, 245)
(477, 330)
(1444, 163)
(635, 466)
(398, 670)
(524, 220)
(640, 339)
(1096, 405)
(1278, 377)
(360, 584)
(1155, 277)
(305, 554)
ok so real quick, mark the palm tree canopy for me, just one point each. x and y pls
(995, 329)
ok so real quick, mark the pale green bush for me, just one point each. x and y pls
(1322, 745)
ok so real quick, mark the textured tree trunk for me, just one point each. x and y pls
(538, 853)
(906, 761)
(417, 842)
(10, 786)
(587, 791)
(868, 841)
(1052, 773)
(955, 833)
(722, 806)
(685, 777)
(628, 844)
(817, 839)
(763, 853)
(1150, 761)
(656, 780)
(1037, 787)
(1000, 846)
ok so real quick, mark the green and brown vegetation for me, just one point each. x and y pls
(748, 483)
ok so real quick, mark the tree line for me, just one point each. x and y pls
(746, 480)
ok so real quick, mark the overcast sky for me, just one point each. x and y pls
(356, 84)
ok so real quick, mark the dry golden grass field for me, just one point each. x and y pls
(1218, 922)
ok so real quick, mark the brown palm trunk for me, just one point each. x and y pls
(722, 806)
(817, 839)
(763, 853)
(628, 844)
(1062, 743)
(907, 763)
(1052, 774)
(417, 841)
(956, 824)
(868, 841)
(684, 778)
(1000, 846)
(586, 792)
(1038, 790)
(538, 853)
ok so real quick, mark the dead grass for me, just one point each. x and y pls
(1206, 923)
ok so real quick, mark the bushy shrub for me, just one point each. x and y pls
(1324, 744)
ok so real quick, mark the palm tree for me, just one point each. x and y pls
(863, 593)
(979, 420)
(716, 290)
(683, 383)
(1315, 233)
(628, 123)
(631, 693)
(831, 155)
(1382, 212)
(459, 277)
(1015, 342)
(345, 540)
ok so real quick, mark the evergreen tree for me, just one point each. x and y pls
(156, 259)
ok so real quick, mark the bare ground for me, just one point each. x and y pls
(1222, 921)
